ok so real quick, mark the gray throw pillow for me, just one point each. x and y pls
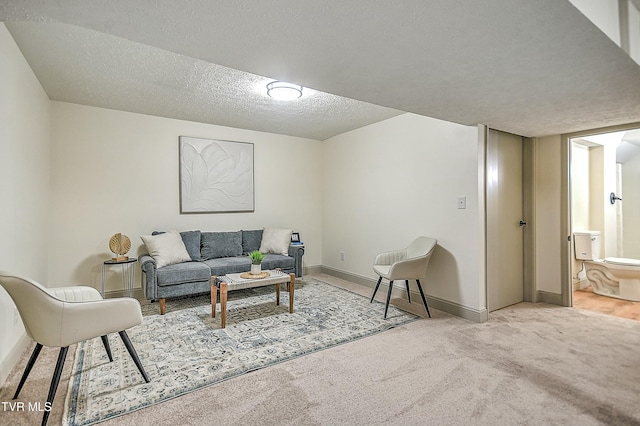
(251, 240)
(221, 244)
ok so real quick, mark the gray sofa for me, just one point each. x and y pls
(212, 253)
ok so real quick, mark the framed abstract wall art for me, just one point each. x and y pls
(216, 176)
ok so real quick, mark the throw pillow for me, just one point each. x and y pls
(166, 249)
(275, 241)
(251, 241)
(191, 240)
(221, 244)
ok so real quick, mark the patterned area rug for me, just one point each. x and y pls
(186, 350)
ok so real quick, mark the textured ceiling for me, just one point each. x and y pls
(87, 67)
(527, 67)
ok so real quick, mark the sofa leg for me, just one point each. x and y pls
(163, 306)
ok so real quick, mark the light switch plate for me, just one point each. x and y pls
(462, 202)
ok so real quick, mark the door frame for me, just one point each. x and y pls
(566, 239)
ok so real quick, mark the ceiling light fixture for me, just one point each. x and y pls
(283, 91)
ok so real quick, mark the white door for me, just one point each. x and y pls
(505, 260)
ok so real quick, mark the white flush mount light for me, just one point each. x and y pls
(283, 91)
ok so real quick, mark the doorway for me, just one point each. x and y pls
(504, 213)
(601, 163)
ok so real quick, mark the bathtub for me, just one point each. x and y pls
(615, 277)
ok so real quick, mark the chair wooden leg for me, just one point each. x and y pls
(408, 292)
(386, 307)
(27, 370)
(291, 285)
(133, 353)
(105, 342)
(54, 383)
(376, 289)
(424, 300)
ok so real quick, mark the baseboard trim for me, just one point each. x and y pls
(348, 276)
(439, 304)
(138, 293)
(550, 298)
(312, 270)
(12, 358)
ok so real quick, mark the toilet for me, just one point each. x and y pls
(612, 276)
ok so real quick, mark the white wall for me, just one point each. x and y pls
(631, 207)
(602, 182)
(547, 215)
(24, 187)
(634, 32)
(580, 197)
(620, 23)
(580, 187)
(118, 172)
(389, 182)
(604, 14)
(610, 244)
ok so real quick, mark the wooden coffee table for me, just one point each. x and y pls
(232, 282)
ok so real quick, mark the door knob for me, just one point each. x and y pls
(522, 223)
(613, 198)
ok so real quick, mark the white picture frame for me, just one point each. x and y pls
(216, 176)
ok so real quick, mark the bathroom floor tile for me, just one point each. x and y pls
(587, 299)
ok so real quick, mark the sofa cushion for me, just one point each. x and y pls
(273, 261)
(251, 241)
(221, 244)
(228, 265)
(275, 241)
(191, 240)
(183, 273)
(166, 249)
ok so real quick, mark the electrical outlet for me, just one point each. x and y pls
(342, 256)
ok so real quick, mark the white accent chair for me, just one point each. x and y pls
(60, 317)
(406, 264)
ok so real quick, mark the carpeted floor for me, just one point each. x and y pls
(187, 350)
(529, 364)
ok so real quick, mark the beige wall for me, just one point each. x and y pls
(389, 182)
(24, 186)
(547, 216)
(118, 172)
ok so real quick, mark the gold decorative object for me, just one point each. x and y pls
(120, 244)
(250, 276)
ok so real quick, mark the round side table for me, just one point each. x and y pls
(128, 273)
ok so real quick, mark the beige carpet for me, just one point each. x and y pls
(529, 364)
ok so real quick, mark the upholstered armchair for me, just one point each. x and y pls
(406, 264)
(60, 317)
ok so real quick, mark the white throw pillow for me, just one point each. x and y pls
(166, 249)
(275, 241)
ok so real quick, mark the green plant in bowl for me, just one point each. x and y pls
(256, 257)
